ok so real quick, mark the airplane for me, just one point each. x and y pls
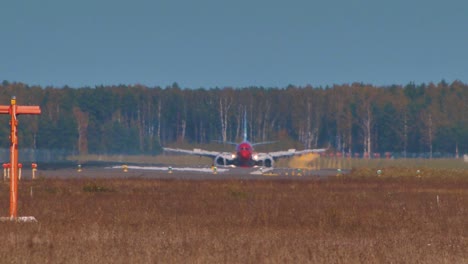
(244, 155)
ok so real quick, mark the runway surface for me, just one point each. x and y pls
(186, 173)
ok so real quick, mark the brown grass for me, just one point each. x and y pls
(353, 219)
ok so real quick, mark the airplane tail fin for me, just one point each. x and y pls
(245, 126)
(245, 133)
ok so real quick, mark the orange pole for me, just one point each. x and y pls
(13, 161)
(14, 110)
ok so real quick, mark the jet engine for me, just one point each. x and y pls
(263, 159)
(224, 159)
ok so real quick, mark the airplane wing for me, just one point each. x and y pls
(293, 152)
(198, 152)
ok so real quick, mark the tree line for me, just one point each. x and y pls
(136, 119)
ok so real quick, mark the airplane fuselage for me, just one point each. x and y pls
(244, 153)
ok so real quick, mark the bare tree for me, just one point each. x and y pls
(225, 102)
(82, 120)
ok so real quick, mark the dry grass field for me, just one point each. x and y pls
(358, 218)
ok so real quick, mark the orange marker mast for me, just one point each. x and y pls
(15, 110)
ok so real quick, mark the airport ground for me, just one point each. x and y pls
(186, 173)
(153, 216)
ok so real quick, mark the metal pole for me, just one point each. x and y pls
(13, 161)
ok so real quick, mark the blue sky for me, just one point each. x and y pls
(209, 43)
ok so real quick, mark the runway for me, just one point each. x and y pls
(185, 173)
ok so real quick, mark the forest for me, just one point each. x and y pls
(414, 119)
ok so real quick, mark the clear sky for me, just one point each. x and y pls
(215, 43)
